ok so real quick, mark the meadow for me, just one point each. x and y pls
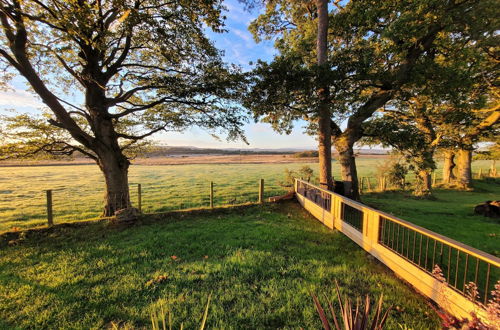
(259, 263)
(78, 190)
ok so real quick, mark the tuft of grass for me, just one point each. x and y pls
(260, 263)
(159, 317)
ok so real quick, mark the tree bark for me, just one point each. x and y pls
(425, 161)
(348, 169)
(115, 170)
(111, 160)
(425, 183)
(464, 176)
(448, 166)
(324, 129)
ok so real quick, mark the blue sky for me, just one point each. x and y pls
(239, 48)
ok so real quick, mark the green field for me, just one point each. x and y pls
(259, 263)
(78, 190)
(262, 262)
(78, 193)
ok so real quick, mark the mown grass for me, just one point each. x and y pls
(449, 213)
(260, 264)
(78, 190)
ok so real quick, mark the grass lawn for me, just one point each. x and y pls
(450, 213)
(259, 263)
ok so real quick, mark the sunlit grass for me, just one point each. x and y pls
(449, 213)
(260, 263)
(78, 190)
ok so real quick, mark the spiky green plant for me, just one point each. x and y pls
(158, 317)
(358, 318)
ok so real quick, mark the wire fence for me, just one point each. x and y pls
(35, 208)
(73, 199)
(382, 183)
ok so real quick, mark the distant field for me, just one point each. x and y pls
(78, 189)
(187, 159)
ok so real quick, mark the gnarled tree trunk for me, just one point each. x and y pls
(348, 170)
(424, 184)
(115, 170)
(448, 166)
(110, 158)
(464, 164)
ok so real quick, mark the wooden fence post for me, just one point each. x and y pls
(480, 174)
(261, 191)
(211, 194)
(382, 183)
(369, 183)
(50, 217)
(433, 179)
(361, 185)
(139, 198)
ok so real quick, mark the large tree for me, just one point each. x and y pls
(376, 49)
(410, 130)
(132, 67)
(424, 117)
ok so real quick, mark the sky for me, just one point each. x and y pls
(239, 48)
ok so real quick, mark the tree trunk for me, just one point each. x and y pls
(424, 185)
(110, 158)
(348, 169)
(324, 128)
(464, 168)
(115, 170)
(448, 166)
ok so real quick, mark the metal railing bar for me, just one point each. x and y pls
(443, 239)
(487, 284)
(465, 270)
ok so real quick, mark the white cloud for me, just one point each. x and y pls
(243, 35)
(236, 12)
(19, 98)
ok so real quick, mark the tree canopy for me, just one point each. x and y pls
(377, 49)
(113, 73)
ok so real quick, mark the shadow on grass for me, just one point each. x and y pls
(260, 263)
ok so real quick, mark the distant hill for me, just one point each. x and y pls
(173, 151)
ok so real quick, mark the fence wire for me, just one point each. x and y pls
(29, 208)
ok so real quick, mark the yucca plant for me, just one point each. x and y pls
(358, 318)
(164, 319)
